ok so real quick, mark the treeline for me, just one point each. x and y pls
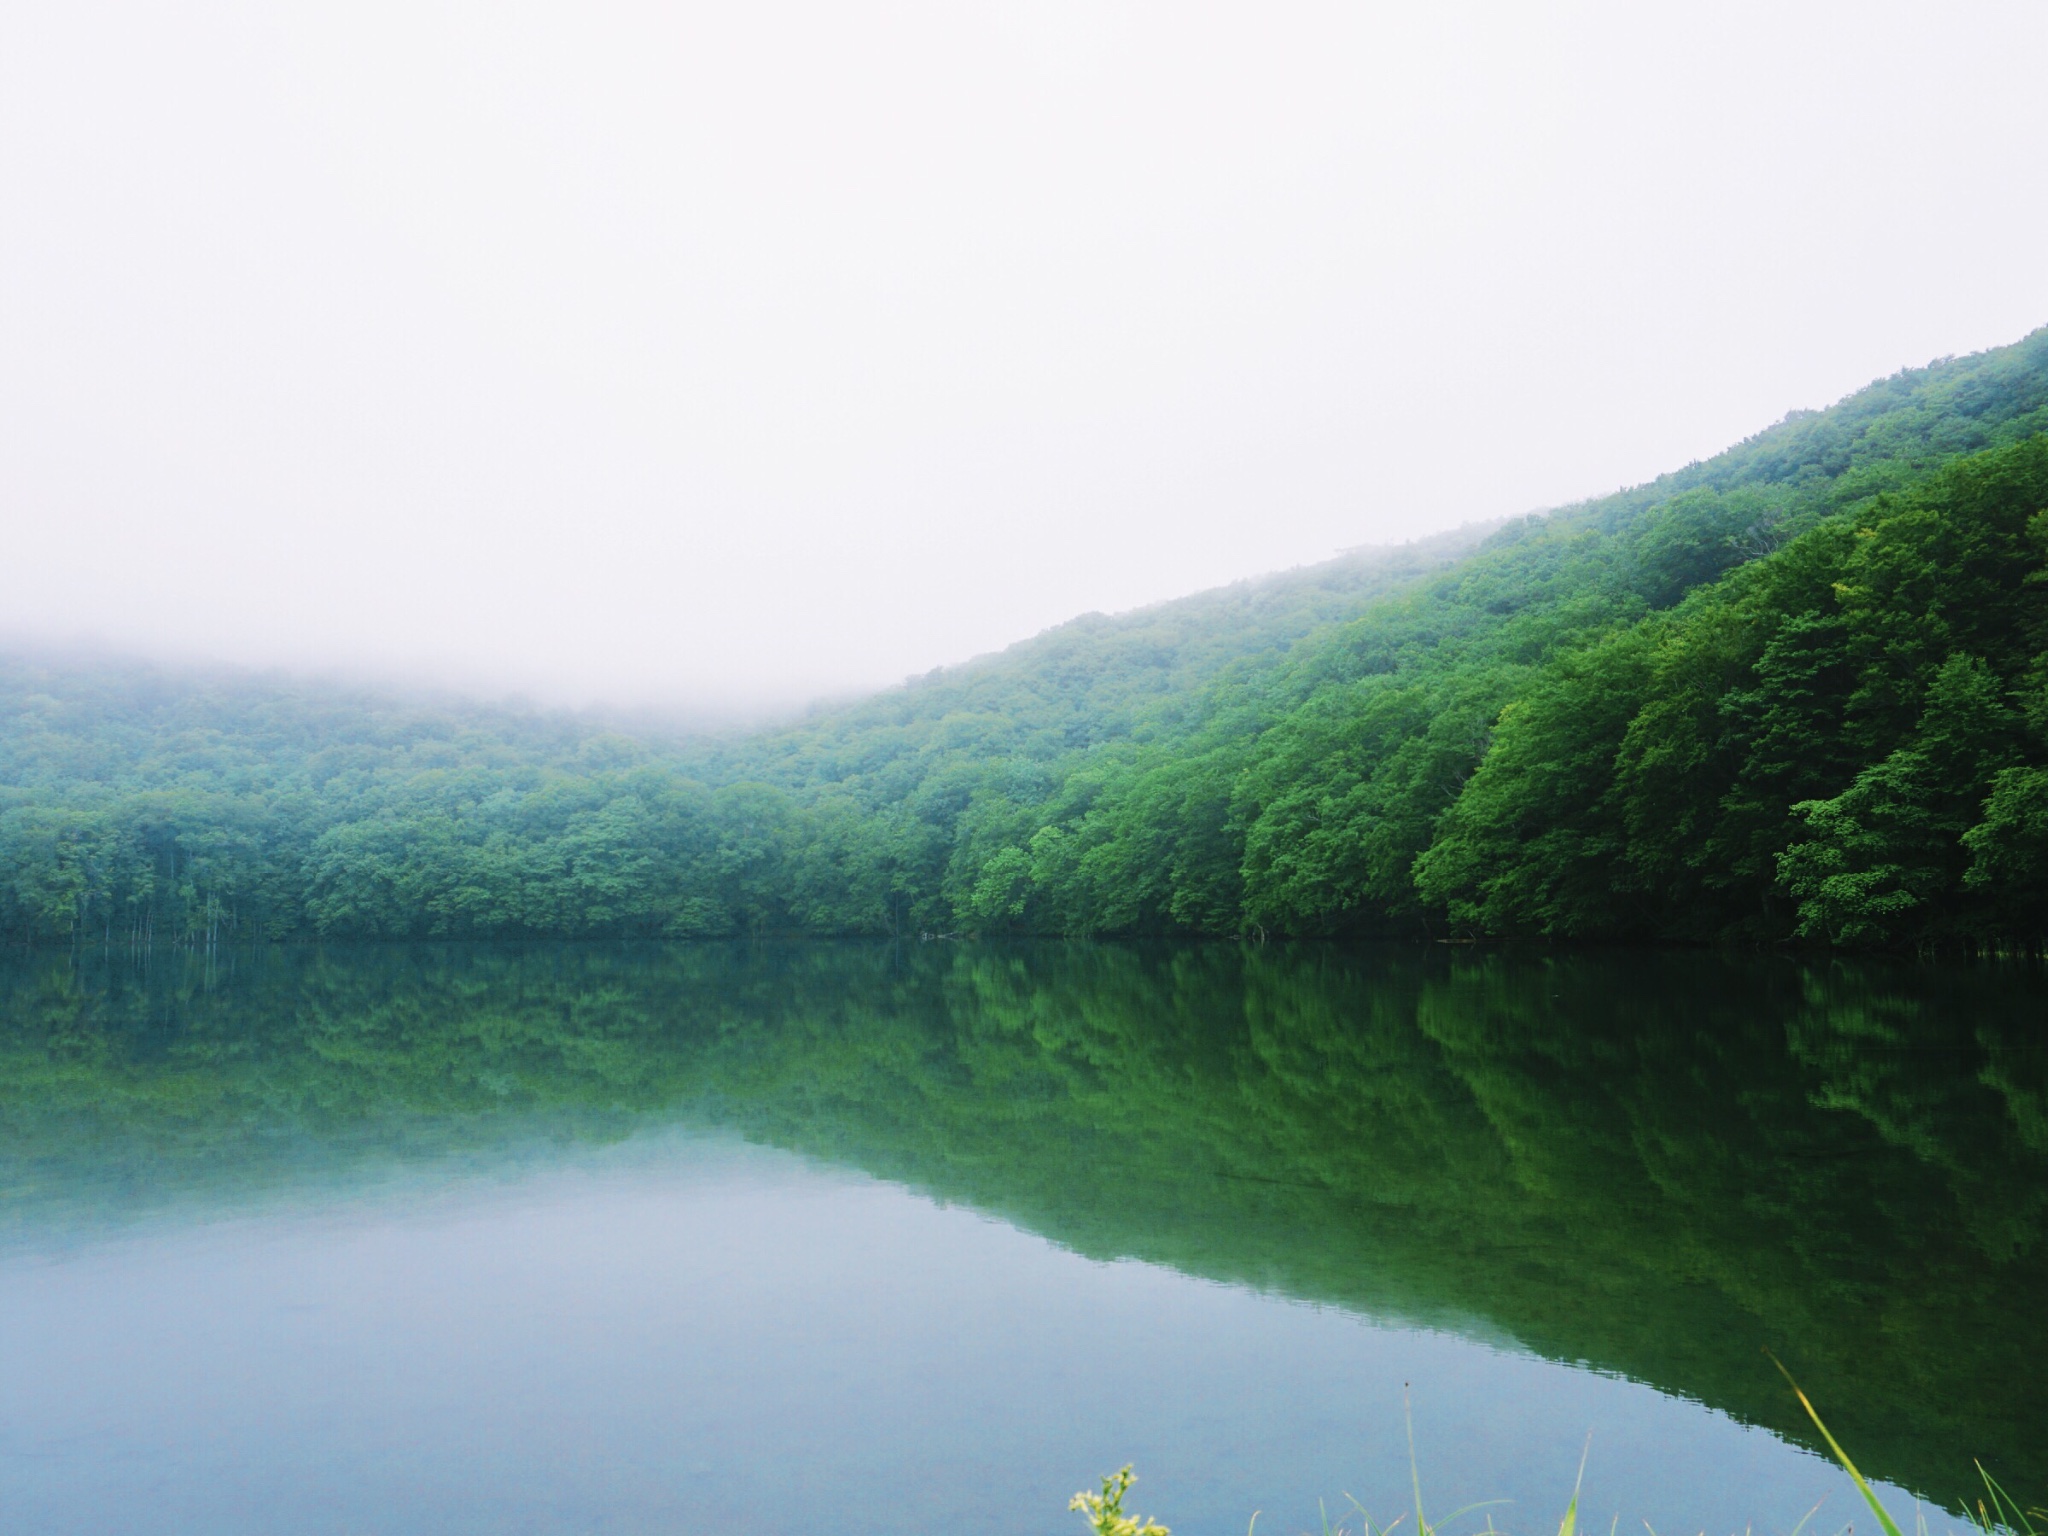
(140, 806)
(379, 822)
(1793, 692)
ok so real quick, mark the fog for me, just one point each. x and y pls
(735, 354)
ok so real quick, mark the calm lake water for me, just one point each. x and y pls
(861, 1239)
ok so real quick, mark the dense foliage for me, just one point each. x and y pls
(1797, 691)
(139, 805)
(1650, 1163)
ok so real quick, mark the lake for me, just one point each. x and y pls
(808, 1237)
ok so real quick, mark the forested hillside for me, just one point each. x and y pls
(1797, 691)
(153, 804)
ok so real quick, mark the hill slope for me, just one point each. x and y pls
(1794, 690)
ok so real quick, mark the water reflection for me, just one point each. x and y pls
(1653, 1165)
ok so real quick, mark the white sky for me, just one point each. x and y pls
(735, 352)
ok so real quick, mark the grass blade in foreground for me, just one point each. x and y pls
(2003, 1516)
(1891, 1526)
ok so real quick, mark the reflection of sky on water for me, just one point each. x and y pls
(687, 1335)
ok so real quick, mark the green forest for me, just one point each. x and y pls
(1797, 692)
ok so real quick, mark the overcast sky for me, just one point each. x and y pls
(741, 352)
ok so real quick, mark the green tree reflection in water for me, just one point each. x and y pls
(1652, 1164)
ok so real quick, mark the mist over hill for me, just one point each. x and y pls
(1795, 691)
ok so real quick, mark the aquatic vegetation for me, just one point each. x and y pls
(1105, 1510)
(1994, 1513)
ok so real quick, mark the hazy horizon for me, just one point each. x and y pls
(714, 362)
(661, 716)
